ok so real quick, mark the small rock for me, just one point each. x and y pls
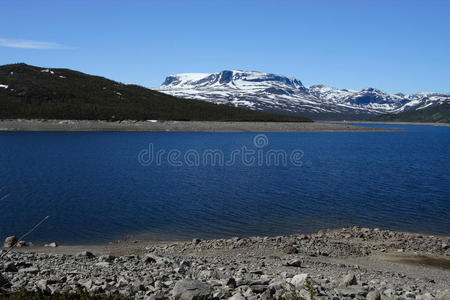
(294, 263)
(258, 289)
(87, 254)
(106, 258)
(52, 244)
(196, 241)
(149, 259)
(103, 264)
(30, 270)
(290, 250)
(231, 283)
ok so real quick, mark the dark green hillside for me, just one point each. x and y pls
(38, 93)
(437, 113)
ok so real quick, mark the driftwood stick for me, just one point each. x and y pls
(25, 235)
(4, 197)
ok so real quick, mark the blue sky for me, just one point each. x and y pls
(397, 46)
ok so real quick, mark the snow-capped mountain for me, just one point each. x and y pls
(265, 91)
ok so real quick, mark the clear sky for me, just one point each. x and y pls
(397, 46)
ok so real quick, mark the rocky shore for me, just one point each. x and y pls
(348, 263)
(177, 126)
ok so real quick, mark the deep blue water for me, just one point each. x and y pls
(94, 188)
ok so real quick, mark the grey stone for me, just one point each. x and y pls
(42, 285)
(443, 296)
(290, 250)
(191, 290)
(10, 267)
(30, 270)
(237, 296)
(149, 259)
(299, 280)
(348, 280)
(294, 263)
(103, 264)
(21, 244)
(258, 289)
(10, 241)
(351, 292)
(426, 296)
(3, 281)
(373, 295)
(87, 254)
(231, 282)
(106, 258)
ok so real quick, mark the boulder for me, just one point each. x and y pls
(21, 244)
(149, 259)
(299, 280)
(426, 296)
(10, 267)
(231, 283)
(10, 241)
(237, 296)
(191, 290)
(443, 296)
(3, 281)
(347, 280)
(352, 292)
(373, 295)
(42, 285)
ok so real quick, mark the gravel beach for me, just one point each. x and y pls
(347, 263)
(180, 126)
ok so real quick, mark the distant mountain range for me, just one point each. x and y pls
(275, 93)
(31, 92)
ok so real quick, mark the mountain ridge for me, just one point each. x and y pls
(271, 92)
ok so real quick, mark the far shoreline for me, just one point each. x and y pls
(391, 123)
(179, 126)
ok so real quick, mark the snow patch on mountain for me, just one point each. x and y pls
(266, 91)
